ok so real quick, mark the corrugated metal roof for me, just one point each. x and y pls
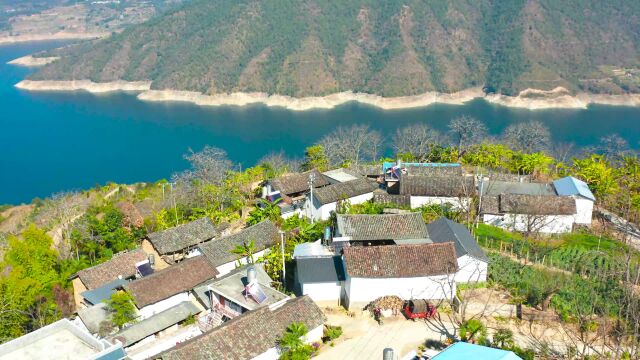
(570, 186)
(320, 269)
(310, 250)
(445, 230)
(463, 350)
(156, 323)
(102, 293)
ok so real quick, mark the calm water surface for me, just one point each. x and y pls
(51, 142)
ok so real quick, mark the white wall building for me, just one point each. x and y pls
(455, 191)
(325, 200)
(321, 278)
(424, 271)
(472, 261)
(527, 207)
(578, 190)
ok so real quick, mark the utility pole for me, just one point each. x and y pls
(175, 207)
(312, 178)
(283, 265)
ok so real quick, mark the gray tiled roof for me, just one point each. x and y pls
(444, 230)
(445, 186)
(264, 235)
(185, 235)
(382, 197)
(156, 323)
(382, 227)
(297, 183)
(94, 315)
(528, 204)
(437, 171)
(332, 193)
(248, 335)
(400, 261)
(173, 280)
(493, 188)
(121, 264)
(320, 269)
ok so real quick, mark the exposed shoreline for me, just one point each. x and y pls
(30, 61)
(48, 37)
(531, 99)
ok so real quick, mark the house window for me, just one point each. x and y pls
(233, 306)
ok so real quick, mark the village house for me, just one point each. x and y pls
(472, 261)
(253, 335)
(159, 332)
(383, 229)
(340, 175)
(319, 273)
(580, 192)
(325, 200)
(177, 243)
(291, 190)
(242, 290)
(169, 287)
(63, 339)
(424, 271)
(219, 252)
(526, 207)
(97, 283)
(454, 191)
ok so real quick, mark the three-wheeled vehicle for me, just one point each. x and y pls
(419, 309)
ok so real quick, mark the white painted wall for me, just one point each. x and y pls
(323, 212)
(455, 202)
(585, 210)
(162, 305)
(315, 335)
(471, 270)
(232, 265)
(550, 224)
(329, 291)
(362, 291)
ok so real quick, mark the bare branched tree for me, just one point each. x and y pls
(280, 163)
(417, 139)
(353, 144)
(528, 137)
(613, 147)
(208, 166)
(466, 131)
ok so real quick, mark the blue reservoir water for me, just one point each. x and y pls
(51, 142)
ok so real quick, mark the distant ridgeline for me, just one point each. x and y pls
(389, 48)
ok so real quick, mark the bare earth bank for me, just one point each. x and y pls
(529, 99)
(30, 61)
(47, 37)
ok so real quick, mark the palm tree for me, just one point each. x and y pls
(245, 250)
(292, 339)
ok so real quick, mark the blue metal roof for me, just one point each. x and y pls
(102, 293)
(569, 186)
(463, 351)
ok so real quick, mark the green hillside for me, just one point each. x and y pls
(391, 48)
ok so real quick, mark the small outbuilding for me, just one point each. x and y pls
(472, 261)
(321, 278)
(463, 350)
(580, 192)
(325, 199)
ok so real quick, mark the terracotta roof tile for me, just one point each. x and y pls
(121, 264)
(400, 261)
(185, 235)
(248, 335)
(264, 235)
(382, 227)
(297, 183)
(173, 280)
(448, 186)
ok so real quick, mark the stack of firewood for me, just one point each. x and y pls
(386, 303)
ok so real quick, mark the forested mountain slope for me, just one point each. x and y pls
(390, 48)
